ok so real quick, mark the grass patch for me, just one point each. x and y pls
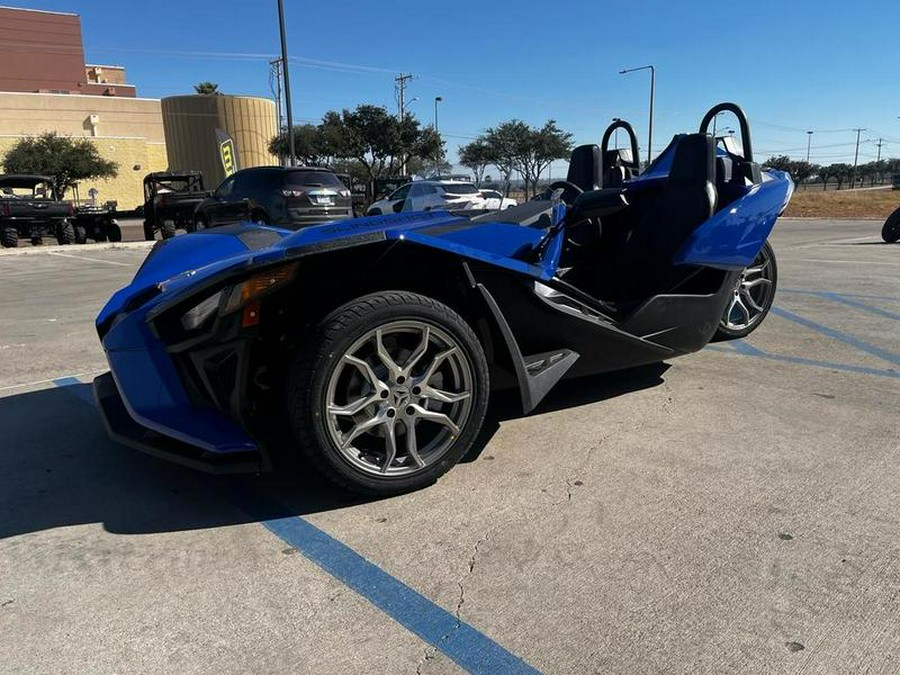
(844, 204)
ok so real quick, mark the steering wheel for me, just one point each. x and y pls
(570, 191)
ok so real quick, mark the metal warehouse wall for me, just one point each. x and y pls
(190, 124)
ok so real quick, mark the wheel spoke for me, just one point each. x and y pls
(353, 408)
(762, 281)
(748, 299)
(730, 310)
(740, 303)
(444, 396)
(385, 356)
(419, 351)
(365, 368)
(756, 270)
(412, 447)
(390, 444)
(359, 429)
(432, 416)
(438, 360)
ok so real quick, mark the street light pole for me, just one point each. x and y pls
(437, 161)
(652, 70)
(808, 144)
(287, 83)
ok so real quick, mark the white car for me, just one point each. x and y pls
(495, 200)
(429, 195)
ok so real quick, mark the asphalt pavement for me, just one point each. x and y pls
(732, 511)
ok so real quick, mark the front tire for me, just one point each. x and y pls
(167, 229)
(114, 232)
(752, 297)
(65, 234)
(389, 393)
(891, 230)
(9, 237)
(80, 234)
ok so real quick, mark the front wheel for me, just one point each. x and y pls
(167, 229)
(389, 393)
(9, 237)
(891, 230)
(80, 234)
(114, 232)
(751, 298)
(65, 233)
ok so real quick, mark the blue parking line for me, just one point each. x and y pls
(850, 302)
(884, 354)
(467, 646)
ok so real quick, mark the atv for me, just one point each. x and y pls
(170, 199)
(31, 207)
(95, 221)
(377, 341)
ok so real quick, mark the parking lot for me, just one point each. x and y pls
(729, 511)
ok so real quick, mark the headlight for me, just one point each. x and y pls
(197, 315)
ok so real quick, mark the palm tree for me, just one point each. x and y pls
(207, 88)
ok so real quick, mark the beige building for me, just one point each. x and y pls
(191, 122)
(128, 131)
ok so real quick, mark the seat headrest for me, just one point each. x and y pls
(585, 168)
(694, 161)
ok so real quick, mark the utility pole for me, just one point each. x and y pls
(287, 85)
(401, 81)
(856, 157)
(880, 143)
(808, 144)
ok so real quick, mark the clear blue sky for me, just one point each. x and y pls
(826, 66)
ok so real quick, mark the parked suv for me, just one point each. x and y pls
(290, 197)
(428, 195)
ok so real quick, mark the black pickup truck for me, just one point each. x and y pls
(30, 207)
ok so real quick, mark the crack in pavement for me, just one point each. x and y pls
(431, 652)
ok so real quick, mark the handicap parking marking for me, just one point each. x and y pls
(468, 647)
(850, 301)
(744, 348)
(840, 336)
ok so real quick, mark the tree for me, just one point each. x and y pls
(841, 172)
(515, 146)
(311, 146)
(207, 89)
(475, 156)
(67, 160)
(542, 147)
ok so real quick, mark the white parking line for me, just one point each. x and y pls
(84, 257)
(52, 379)
(844, 262)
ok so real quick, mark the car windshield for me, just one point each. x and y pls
(317, 178)
(460, 189)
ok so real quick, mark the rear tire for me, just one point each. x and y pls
(9, 237)
(752, 297)
(374, 212)
(149, 233)
(441, 395)
(259, 217)
(65, 234)
(891, 230)
(114, 232)
(80, 234)
(37, 239)
(167, 229)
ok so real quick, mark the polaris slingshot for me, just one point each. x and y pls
(377, 340)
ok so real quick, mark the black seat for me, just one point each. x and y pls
(687, 200)
(618, 167)
(586, 168)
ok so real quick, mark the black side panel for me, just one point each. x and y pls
(543, 327)
(684, 323)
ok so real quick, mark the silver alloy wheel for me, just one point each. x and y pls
(751, 295)
(398, 398)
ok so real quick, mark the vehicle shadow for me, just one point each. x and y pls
(58, 468)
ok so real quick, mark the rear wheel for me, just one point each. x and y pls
(374, 212)
(891, 230)
(114, 232)
(65, 233)
(259, 217)
(751, 297)
(167, 229)
(390, 394)
(37, 239)
(80, 234)
(9, 237)
(149, 233)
